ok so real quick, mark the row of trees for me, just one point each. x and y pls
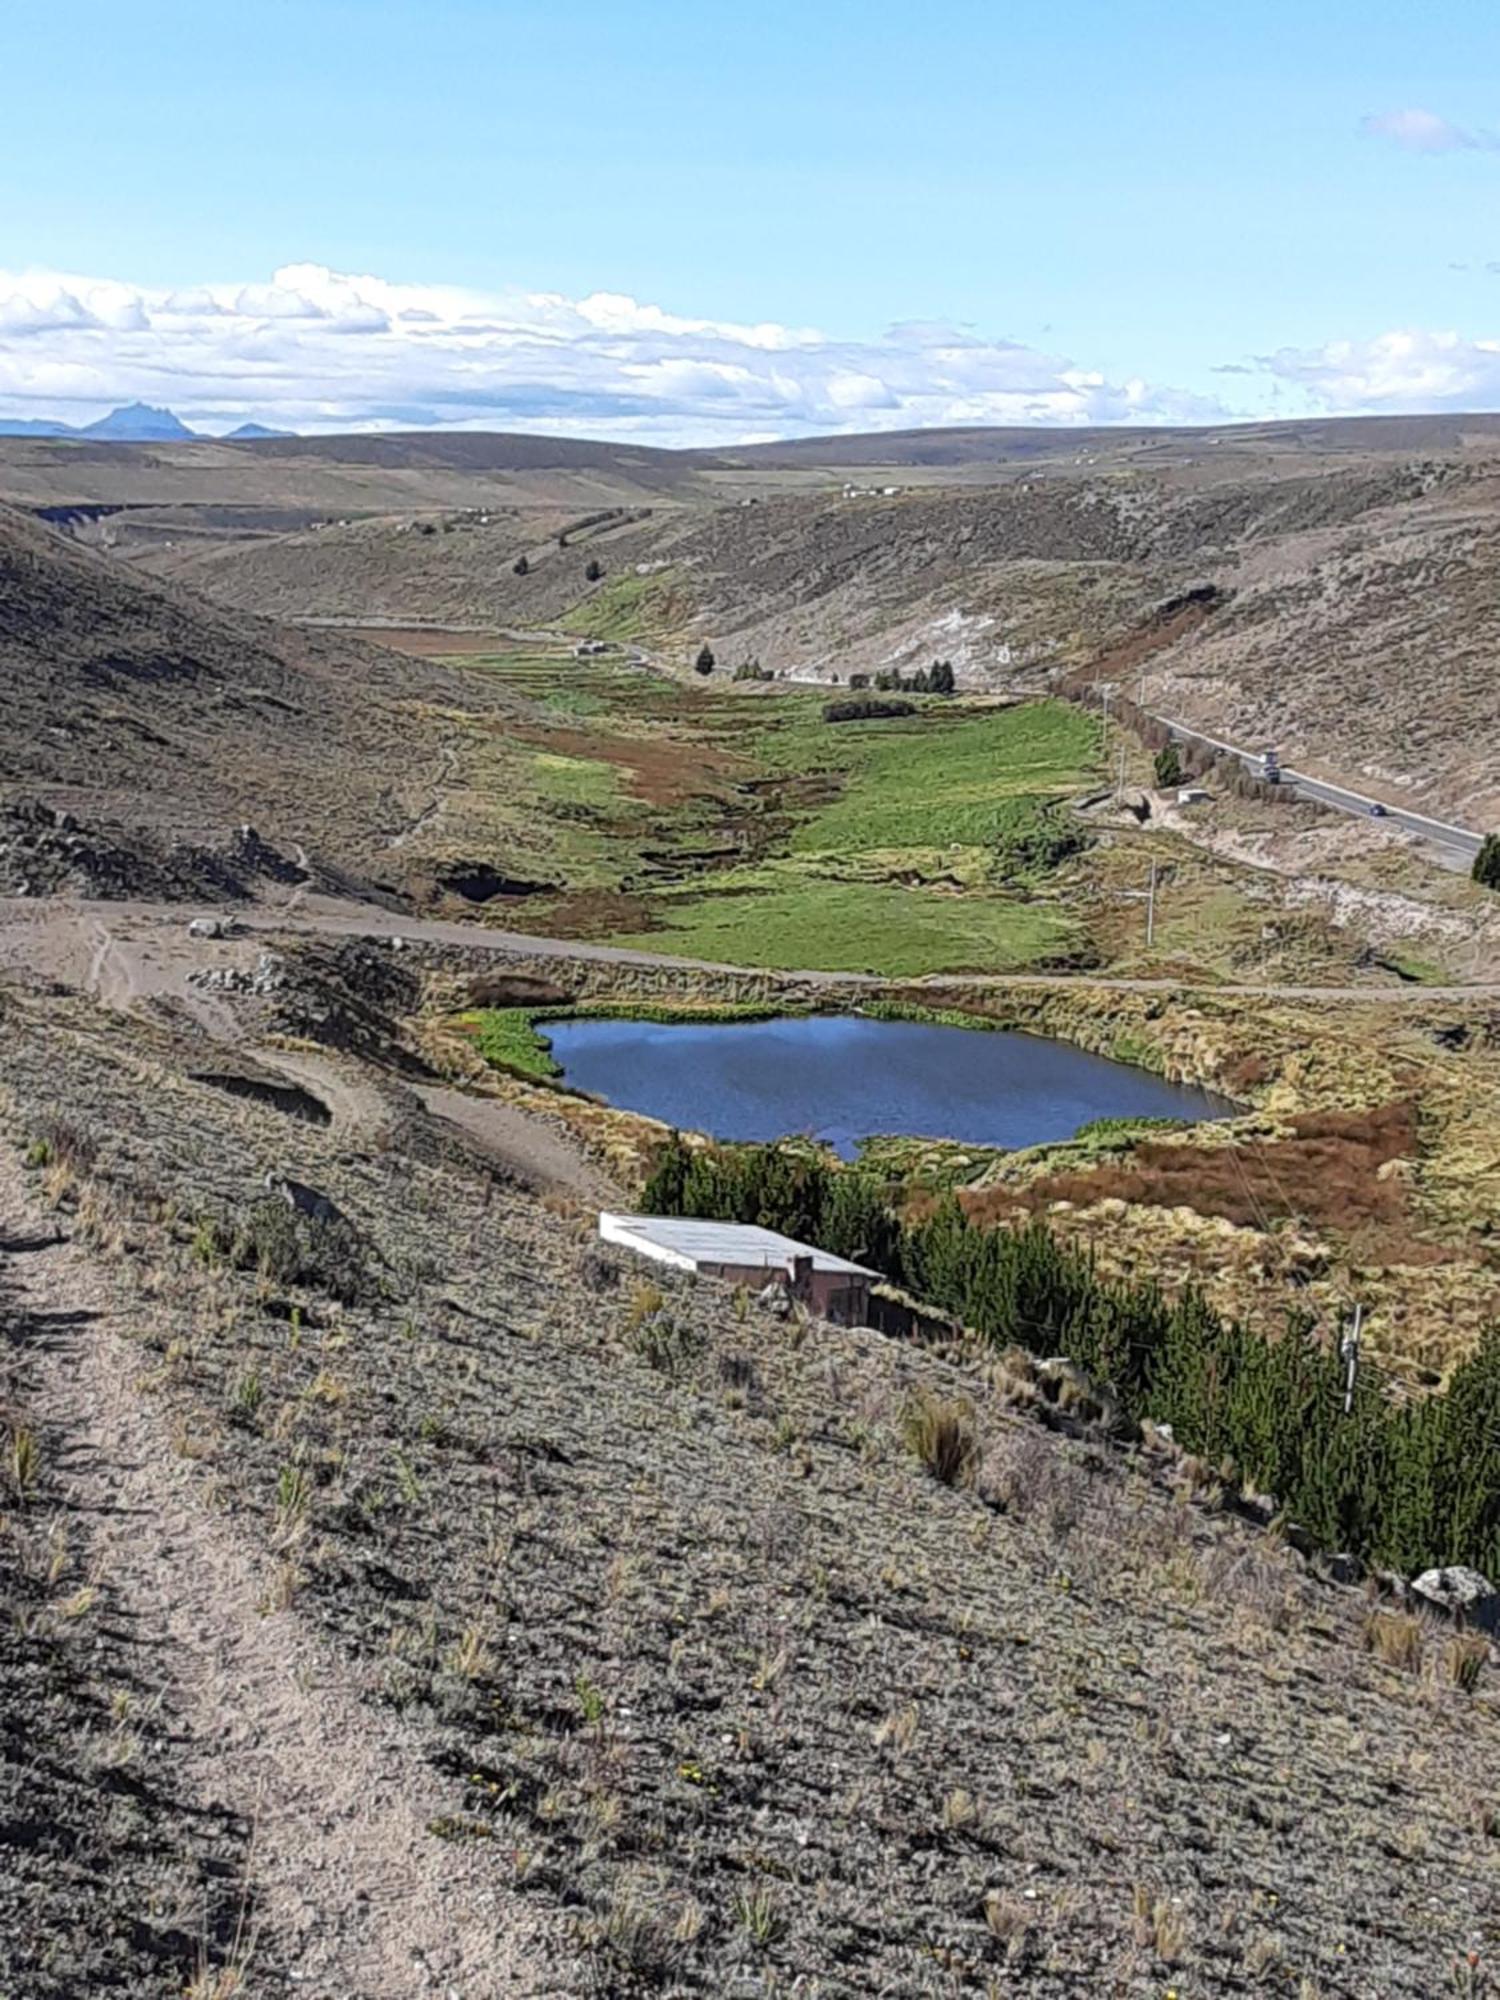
(936, 679)
(1409, 1485)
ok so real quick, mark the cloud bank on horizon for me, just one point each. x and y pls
(316, 350)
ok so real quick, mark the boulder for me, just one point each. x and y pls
(1340, 1567)
(1463, 1593)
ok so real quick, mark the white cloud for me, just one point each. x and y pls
(315, 349)
(1407, 369)
(1425, 132)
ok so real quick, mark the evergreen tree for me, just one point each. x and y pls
(1412, 1485)
(940, 677)
(593, 569)
(662, 1194)
(1487, 862)
(704, 664)
(1169, 771)
(520, 567)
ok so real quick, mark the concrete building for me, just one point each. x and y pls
(744, 1254)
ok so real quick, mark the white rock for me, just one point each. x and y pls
(1462, 1593)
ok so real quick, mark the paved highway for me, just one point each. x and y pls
(1460, 845)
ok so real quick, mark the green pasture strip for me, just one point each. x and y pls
(836, 926)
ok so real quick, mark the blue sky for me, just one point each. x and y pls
(1088, 212)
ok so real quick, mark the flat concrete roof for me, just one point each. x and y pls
(688, 1242)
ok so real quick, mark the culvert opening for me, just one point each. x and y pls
(479, 882)
(289, 1098)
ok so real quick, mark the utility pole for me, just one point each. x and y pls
(1349, 1355)
(1151, 908)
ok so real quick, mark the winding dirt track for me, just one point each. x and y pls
(344, 1874)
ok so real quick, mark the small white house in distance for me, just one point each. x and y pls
(744, 1254)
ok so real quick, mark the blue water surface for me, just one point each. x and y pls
(840, 1078)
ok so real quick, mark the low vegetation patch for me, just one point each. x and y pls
(514, 1038)
(867, 708)
(508, 1038)
(1407, 1484)
(1326, 1172)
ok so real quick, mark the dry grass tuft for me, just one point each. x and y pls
(1396, 1638)
(1464, 1658)
(940, 1432)
(646, 1299)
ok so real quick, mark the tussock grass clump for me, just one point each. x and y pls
(23, 1462)
(1464, 1658)
(940, 1432)
(758, 1914)
(646, 1299)
(664, 1343)
(635, 1940)
(1396, 1638)
(58, 1142)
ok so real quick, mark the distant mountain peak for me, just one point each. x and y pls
(138, 422)
(132, 423)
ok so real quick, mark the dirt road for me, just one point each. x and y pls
(126, 951)
(267, 1722)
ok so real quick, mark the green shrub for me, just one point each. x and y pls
(1406, 1484)
(1486, 870)
(285, 1248)
(867, 708)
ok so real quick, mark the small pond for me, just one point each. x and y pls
(841, 1078)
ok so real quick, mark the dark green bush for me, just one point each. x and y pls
(290, 1249)
(866, 708)
(1408, 1484)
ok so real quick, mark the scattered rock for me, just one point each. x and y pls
(1463, 1593)
(774, 1299)
(1339, 1567)
(1390, 1583)
(261, 858)
(268, 976)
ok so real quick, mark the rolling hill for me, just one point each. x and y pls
(1356, 623)
(162, 724)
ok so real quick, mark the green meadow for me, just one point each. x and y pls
(731, 822)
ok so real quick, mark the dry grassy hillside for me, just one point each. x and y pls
(1358, 553)
(423, 1603)
(1366, 649)
(1359, 623)
(144, 711)
(343, 476)
(1357, 626)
